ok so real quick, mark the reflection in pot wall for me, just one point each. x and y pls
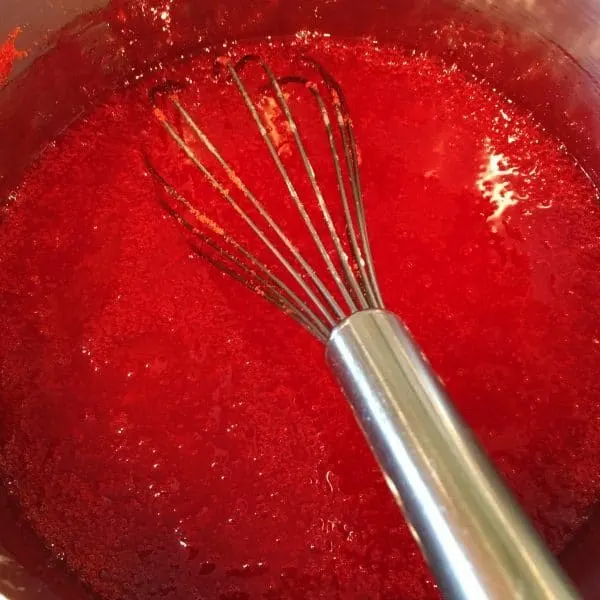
(34, 573)
(111, 44)
(572, 26)
(17, 584)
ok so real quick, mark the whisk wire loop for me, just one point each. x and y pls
(264, 282)
(351, 278)
(351, 155)
(224, 193)
(320, 311)
(285, 175)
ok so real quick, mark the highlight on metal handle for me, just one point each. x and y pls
(475, 537)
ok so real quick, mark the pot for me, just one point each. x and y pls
(545, 54)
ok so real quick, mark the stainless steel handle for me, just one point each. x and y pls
(475, 537)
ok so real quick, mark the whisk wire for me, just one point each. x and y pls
(352, 160)
(269, 219)
(253, 281)
(224, 193)
(285, 175)
(351, 155)
(356, 282)
(344, 259)
(276, 290)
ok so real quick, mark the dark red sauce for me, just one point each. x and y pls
(170, 435)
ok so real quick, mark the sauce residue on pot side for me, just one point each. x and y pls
(9, 54)
(170, 435)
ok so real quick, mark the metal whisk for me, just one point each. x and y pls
(475, 537)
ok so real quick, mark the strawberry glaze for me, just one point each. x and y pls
(169, 435)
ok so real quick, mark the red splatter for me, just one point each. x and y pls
(9, 54)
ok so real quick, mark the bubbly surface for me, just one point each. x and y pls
(170, 435)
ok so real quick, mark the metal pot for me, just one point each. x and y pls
(545, 54)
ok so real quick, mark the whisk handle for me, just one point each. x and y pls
(475, 537)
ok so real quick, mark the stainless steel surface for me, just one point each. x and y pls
(17, 584)
(476, 539)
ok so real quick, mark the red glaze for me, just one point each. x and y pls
(170, 435)
(9, 54)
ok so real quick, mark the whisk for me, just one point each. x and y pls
(474, 536)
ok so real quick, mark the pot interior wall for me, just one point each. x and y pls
(545, 55)
(544, 59)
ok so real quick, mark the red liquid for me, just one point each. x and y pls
(170, 435)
